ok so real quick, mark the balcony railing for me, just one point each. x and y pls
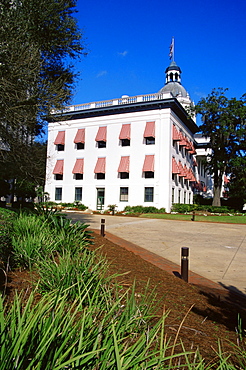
(121, 101)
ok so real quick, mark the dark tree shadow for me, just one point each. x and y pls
(224, 306)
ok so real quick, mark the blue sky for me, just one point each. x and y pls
(128, 44)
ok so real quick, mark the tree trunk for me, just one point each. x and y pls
(216, 198)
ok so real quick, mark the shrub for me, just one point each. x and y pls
(71, 270)
(184, 208)
(81, 207)
(142, 209)
(31, 240)
(77, 205)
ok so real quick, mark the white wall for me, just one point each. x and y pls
(163, 151)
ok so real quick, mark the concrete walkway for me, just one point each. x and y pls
(217, 251)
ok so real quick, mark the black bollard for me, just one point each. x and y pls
(184, 263)
(193, 216)
(103, 226)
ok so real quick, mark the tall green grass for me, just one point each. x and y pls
(119, 333)
(82, 320)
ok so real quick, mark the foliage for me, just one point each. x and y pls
(31, 240)
(77, 205)
(113, 335)
(142, 209)
(7, 218)
(38, 41)
(112, 207)
(224, 124)
(24, 166)
(71, 270)
(4, 188)
(37, 237)
(184, 208)
(237, 183)
(83, 322)
(41, 194)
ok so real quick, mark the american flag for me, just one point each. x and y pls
(171, 49)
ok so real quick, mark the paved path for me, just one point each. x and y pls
(217, 251)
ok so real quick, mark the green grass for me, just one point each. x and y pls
(210, 218)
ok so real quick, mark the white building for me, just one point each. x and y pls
(130, 151)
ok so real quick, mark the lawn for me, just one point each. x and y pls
(234, 219)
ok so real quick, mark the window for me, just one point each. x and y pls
(101, 137)
(123, 194)
(150, 140)
(179, 194)
(78, 194)
(58, 193)
(173, 194)
(78, 176)
(100, 176)
(148, 194)
(124, 175)
(78, 169)
(101, 144)
(148, 166)
(124, 167)
(80, 146)
(125, 134)
(80, 139)
(125, 142)
(149, 174)
(149, 133)
(184, 197)
(100, 168)
(58, 176)
(60, 141)
(58, 170)
(60, 147)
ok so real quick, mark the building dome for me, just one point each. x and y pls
(175, 88)
(173, 82)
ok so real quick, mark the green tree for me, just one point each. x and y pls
(237, 184)
(24, 168)
(224, 123)
(38, 41)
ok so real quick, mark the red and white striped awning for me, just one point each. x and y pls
(58, 170)
(125, 132)
(176, 136)
(124, 165)
(60, 138)
(100, 165)
(181, 170)
(101, 134)
(79, 166)
(149, 163)
(80, 136)
(175, 167)
(149, 129)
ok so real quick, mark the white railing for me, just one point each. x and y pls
(120, 101)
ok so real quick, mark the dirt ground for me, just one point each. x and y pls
(213, 314)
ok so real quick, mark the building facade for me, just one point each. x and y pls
(130, 151)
